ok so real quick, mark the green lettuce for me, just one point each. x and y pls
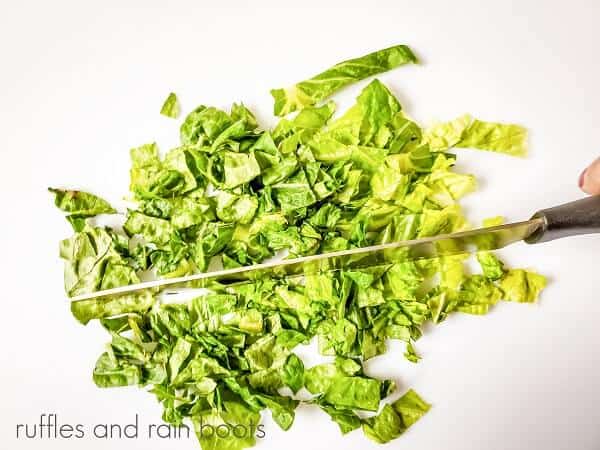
(234, 194)
(321, 86)
(394, 419)
(93, 262)
(153, 178)
(495, 137)
(86, 310)
(80, 205)
(473, 133)
(445, 135)
(170, 107)
(522, 286)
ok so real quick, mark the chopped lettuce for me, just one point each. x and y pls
(321, 86)
(80, 205)
(491, 266)
(235, 194)
(93, 262)
(170, 107)
(396, 418)
(522, 286)
(495, 137)
(467, 132)
(445, 135)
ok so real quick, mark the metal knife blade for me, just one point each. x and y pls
(490, 238)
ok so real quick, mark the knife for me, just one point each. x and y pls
(570, 219)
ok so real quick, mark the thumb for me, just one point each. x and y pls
(589, 181)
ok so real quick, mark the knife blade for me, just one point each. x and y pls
(490, 238)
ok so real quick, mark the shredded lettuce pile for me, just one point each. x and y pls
(234, 194)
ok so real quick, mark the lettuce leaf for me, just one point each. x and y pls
(341, 390)
(86, 310)
(93, 262)
(170, 107)
(445, 135)
(492, 267)
(395, 419)
(495, 137)
(522, 286)
(321, 86)
(467, 132)
(80, 205)
(231, 414)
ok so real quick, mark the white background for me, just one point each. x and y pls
(82, 82)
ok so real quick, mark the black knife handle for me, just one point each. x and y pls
(578, 217)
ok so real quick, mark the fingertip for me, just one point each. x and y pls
(589, 181)
(582, 178)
